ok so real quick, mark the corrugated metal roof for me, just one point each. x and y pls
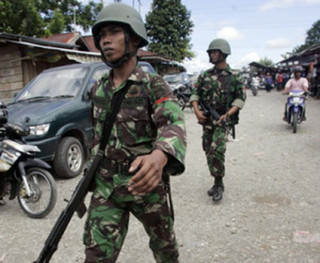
(77, 55)
(62, 43)
(68, 38)
(34, 40)
(90, 43)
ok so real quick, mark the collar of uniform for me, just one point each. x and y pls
(227, 69)
(137, 75)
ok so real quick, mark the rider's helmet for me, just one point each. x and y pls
(3, 113)
(298, 69)
(220, 44)
(123, 14)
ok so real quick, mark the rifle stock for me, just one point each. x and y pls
(209, 111)
(76, 202)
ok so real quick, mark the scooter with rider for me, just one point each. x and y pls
(297, 90)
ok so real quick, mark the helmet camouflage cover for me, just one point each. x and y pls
(120, 13)
(220, 44)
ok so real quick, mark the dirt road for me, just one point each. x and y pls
(270, 211)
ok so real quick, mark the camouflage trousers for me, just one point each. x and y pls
(214, 144)
(107, 224)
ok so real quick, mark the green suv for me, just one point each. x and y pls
(56, 107)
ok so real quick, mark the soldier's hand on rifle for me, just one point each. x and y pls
(148, 172)
(202, 119)
(223, 119)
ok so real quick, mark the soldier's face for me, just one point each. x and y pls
(112, 42)
(215, 56)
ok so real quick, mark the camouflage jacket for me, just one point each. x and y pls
(149, 118)
(220, 88)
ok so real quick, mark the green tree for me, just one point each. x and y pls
(313, 34)
(72, 11)
(38, 17)
(88, 14)
(57, 22)
(169, 27)
(313, 37)
(20, 17)
(266, 62)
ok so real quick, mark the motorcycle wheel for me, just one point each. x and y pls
(294, 122)
(44, 193)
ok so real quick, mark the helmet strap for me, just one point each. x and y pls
(127, 54)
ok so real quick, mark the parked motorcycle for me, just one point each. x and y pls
(181, 86)
(295, 108)
(183, 94)
(22, 175)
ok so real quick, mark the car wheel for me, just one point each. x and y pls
(69, 158)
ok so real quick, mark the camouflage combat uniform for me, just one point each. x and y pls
(220, 89)
(149, 118)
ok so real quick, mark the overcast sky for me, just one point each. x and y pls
(254, 28)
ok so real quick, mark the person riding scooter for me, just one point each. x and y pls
(255, 83)
(297, 83)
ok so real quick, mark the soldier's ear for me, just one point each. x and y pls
(135, 40)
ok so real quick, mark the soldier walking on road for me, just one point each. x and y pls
(224, 92)
(147, 141)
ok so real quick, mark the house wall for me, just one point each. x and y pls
(11, 76)
(17, 68)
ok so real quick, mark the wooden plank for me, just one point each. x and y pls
(8, 53)
(9, 48)
(6, 64)
(10, 79)
(10, 72)
(15, 86)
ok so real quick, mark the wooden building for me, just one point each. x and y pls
(22, 58)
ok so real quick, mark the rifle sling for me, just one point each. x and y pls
(107, 127)
(110, 118)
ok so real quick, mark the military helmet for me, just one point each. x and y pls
(120, 13)
(220, 44)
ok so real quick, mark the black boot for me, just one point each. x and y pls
(216, 191)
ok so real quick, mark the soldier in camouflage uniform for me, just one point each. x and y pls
(148, 139)
(224, 92)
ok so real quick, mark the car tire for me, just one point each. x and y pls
(69, 158)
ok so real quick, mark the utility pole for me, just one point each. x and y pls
(139, 6)
(74, 17)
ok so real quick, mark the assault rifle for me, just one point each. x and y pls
(74, 205)
(209, 111)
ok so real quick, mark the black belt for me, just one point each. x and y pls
(119, 167)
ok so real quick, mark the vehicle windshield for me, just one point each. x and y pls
(172, 78)
(62, 83)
